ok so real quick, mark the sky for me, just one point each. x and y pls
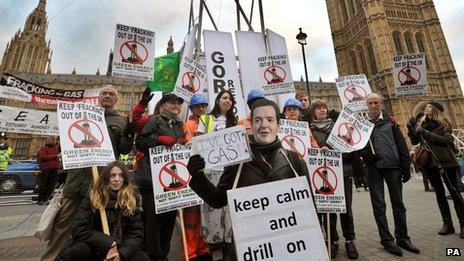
(82, 31)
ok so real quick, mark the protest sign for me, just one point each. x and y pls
(410, 74)
(351, 132)
(133, 53)
(22, 90)
(295, 136)
(275, 71)
(352, 90)
(170, 178)
(191, 79)
(326, 174)
(84, 137)
(276, 221)
(221, 68)
(223, 148)
(28, 121)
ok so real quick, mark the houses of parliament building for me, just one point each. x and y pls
(366, 35)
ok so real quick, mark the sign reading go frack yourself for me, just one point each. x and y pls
(276, 221)
(84, 137)
(223, 148)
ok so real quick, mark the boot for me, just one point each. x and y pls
(447, 228)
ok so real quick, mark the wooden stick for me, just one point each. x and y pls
(329, 245)
(182, 229)
(104, 219)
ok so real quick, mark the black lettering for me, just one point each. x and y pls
(45, 119)
(21, 116)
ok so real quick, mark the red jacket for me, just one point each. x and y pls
(139, 116)
(48, 157)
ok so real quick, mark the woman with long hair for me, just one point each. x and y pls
(216, 227)
(433, 131)
(114, 192)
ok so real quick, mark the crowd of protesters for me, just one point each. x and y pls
(137, 233)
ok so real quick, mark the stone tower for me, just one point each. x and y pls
(368, 33)
(28, 50)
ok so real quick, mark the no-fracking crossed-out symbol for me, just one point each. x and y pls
(177, 174)
(85, 134)
(409, 76)
(329, 180)
(274, 74)
(349, 133)
(295, 144)
(133, 52)
(191, 82)
(355, 93)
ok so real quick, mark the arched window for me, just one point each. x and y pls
(421, 46)
(409, 42)
(354, 63)
(362, 57)
(397, 41)
(344, 11)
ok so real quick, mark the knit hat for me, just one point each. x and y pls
(437, 105)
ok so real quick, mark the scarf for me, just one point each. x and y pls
(430, 124)
(116, 229)
(171, 118)
(323, 125)
(264, 154)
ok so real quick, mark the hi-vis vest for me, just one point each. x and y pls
(207, 120)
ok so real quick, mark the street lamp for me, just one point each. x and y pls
(301, 37)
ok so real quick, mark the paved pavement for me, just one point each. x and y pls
(423, 223)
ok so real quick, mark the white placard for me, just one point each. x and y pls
(14, 93)
(171, 178)
(276, 75)
(326, 174)
(295, 136)
(223, 148)
(28, 121)
(352, 90)
(84, 137)
(276, 221)
(410, 74)
(133, 53)
(351, 132)
(221, 69)
(191, 79)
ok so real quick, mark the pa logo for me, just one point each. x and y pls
(453, 251)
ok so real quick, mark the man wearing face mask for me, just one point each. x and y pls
(78, 181)
(5, 151)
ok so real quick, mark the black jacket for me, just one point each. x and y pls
(87, 228)
(253, 172)
(157, 125)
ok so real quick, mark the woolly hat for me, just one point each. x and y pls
(437, 105)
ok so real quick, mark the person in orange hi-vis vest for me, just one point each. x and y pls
(197, 248)
(253, 96)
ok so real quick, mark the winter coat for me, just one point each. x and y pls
(440, 140)
(5, 153)
(78, 181)
(157, 125)
(126, 231)
(48, 157)
(253, 173)
(389, 149)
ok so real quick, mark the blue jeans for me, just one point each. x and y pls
(392, 177)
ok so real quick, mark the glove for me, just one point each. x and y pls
(412, 123)
(195, 165)
(405, 175)
(146, 96)
(166, 140)
(421, 130)
(182, 141)
(129, 131)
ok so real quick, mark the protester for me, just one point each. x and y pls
(253, 96)
(114, 192)
(303, 98)
(433, 131)
(49, 165)
(418, 113)
(197, 247)
(320, 127)
(270, 161)
(387, 158)
(78, 181)
(292, 109)
(163, 129)
(216, 226)
(5, 151)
